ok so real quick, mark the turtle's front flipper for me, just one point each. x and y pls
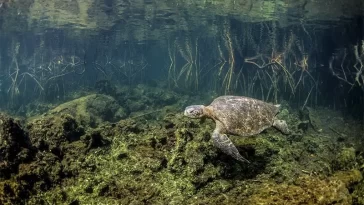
(224, 143)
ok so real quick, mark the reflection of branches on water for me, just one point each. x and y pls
(49, 75)
(270, 65)
(45, 71)
(62, 66)
(347, 65)
(57, 67)
(283, 64)
(123, 69)
(133, 68)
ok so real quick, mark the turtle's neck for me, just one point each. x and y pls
(208, 112)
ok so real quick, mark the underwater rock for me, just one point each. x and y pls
(94, 139)
(349, 178)
(52, 132)
(59, 153)
(59, 136)
(121, 114)
(12, 192)
(171, 160)
(313, 118)
(91, 110)
(307, 190)
(345, 159)
(37, 108)
(105, 87)
(135, 105)
(42, 173)
(145, 98)
(358, 196)
(15, 146)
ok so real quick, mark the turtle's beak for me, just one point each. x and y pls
(185, 113)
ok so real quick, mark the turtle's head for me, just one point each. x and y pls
(195, 111)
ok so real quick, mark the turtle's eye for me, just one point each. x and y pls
(192, 112)
(196, 113)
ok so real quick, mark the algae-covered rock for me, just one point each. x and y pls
(37, 160)
(59, 153)
(105, 87)
(345, 159)
(91, 110)
(59, 144)
(164, 159)
(307, 190)
(12, 192)
(358, 193)
(171, 159)
(53, 131)
(15, 146)
(144, 98)
(349, 178)
(313, 118)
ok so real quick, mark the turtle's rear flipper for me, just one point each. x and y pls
(224, 143)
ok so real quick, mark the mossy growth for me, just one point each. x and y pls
(91, 110)
(358, 193)
(345, 159)
(308, 190)
(166, 158)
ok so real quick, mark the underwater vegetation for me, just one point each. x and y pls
(98, 149)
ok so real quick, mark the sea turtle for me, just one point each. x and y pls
(237, 115)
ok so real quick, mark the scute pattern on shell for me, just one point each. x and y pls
(243, 116)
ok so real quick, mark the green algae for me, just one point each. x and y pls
(305, 190)
(345, 159)
(91, 110)
(165, 158)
